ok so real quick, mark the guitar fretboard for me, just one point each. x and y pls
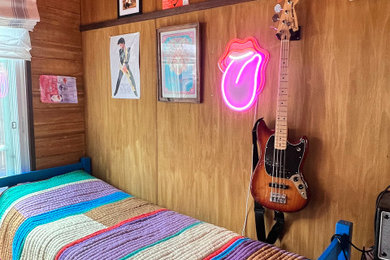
(281, 110)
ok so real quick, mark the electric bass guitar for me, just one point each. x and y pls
(277, 181)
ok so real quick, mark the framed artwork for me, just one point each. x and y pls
(167, 4)
(124, 64)
(178, 55)
(129, 7)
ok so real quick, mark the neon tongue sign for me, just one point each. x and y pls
(3, 82)
(243, 66)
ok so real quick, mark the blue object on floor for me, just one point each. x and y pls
(339, 248)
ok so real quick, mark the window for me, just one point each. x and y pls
(17, 18)
(14, 125)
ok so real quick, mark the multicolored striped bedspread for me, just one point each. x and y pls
(76, 216)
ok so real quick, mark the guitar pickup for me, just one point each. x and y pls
(278, 185)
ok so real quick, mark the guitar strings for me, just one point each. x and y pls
(285, 151)
(280, 158)
(285, 60)
(288, 51)
(280, 152)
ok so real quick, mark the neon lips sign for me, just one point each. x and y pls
(3, 82)
(243, 66)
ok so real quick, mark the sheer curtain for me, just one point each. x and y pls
(17, 18)
(14, 143)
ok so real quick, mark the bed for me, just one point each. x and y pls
(66, 213)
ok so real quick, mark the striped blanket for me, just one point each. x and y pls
(76, 216)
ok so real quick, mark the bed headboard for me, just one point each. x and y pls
(84, 164)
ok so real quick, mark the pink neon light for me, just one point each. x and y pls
(3, 83)
(246, 63)
(243, 66)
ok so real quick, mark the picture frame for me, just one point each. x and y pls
(129, 7)
(178, 62)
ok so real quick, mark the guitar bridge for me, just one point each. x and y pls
(278, 198)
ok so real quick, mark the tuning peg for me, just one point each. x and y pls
(275, 18)
(278, 8)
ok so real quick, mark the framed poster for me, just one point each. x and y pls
(124, 63)
(178, 62)
(129, 7)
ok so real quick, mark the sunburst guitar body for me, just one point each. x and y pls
(277, 181)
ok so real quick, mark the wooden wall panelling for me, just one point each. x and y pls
(42, 131)
(98, 10)
(56, 50)
(203, 5)
(349, 118)
(71, 6)
(103, 10)
(159, 3)
(61, 159)
(338, 98)
(204, 150)
(46, 147)
(121, 135)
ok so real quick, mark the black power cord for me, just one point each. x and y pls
(343, 241)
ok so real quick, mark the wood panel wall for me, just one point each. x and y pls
(103, 10)
(196, 158)
(56, 50)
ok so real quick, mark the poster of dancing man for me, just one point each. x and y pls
(124, 62)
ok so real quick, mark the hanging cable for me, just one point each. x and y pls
(344, 238)
(250, 179)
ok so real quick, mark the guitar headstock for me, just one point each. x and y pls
(287, 20)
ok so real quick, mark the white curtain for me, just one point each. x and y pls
(14, 43)
(14, 143)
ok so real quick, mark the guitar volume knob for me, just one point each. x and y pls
(295, 179)
(300, 186)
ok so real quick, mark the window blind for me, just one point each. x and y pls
(19, 14)
(17, 18)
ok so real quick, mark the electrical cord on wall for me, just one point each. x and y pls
(344, 238)
(250, 179)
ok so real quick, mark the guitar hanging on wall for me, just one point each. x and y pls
(277, 181)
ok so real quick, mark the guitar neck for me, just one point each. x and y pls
(282, 104)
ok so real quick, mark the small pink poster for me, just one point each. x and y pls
(167, 4)
(58, 89)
